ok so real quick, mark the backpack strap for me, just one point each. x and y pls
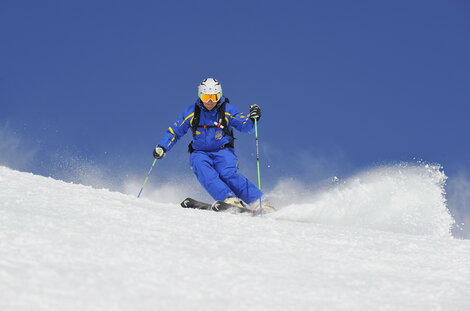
(222, 122)
(196, 118)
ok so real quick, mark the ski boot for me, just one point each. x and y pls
(267, 207)
(234, 201)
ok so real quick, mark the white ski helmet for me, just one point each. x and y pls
(210, 86)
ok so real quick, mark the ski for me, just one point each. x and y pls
(220, 206)
(217, 206)
(191, 203)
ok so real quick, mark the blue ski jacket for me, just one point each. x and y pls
(207, 139)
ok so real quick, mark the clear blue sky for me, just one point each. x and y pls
(343, 85)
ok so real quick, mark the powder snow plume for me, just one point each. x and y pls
(399, 198)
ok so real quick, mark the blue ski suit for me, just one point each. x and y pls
(214, 164)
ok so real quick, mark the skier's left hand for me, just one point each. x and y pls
(255, 112)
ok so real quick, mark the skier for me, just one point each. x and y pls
(213, 160)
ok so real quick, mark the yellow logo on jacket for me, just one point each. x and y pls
(218, 135)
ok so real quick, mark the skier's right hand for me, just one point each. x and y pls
(159, 152)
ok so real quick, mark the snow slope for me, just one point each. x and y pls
(379, 241)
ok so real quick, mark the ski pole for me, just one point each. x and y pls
(147, 178)
(257, 166)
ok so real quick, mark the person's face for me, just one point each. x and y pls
(209, 104)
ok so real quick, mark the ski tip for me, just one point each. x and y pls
(219, 206)
(186, 203)
(191, 203)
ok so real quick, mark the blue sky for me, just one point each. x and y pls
(343, 85)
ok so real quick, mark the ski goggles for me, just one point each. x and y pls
(214, 97)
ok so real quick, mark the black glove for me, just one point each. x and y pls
(159, 152)
(255, 112)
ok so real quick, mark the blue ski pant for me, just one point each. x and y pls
(217, 173)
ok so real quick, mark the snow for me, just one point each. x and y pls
(377, 241)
